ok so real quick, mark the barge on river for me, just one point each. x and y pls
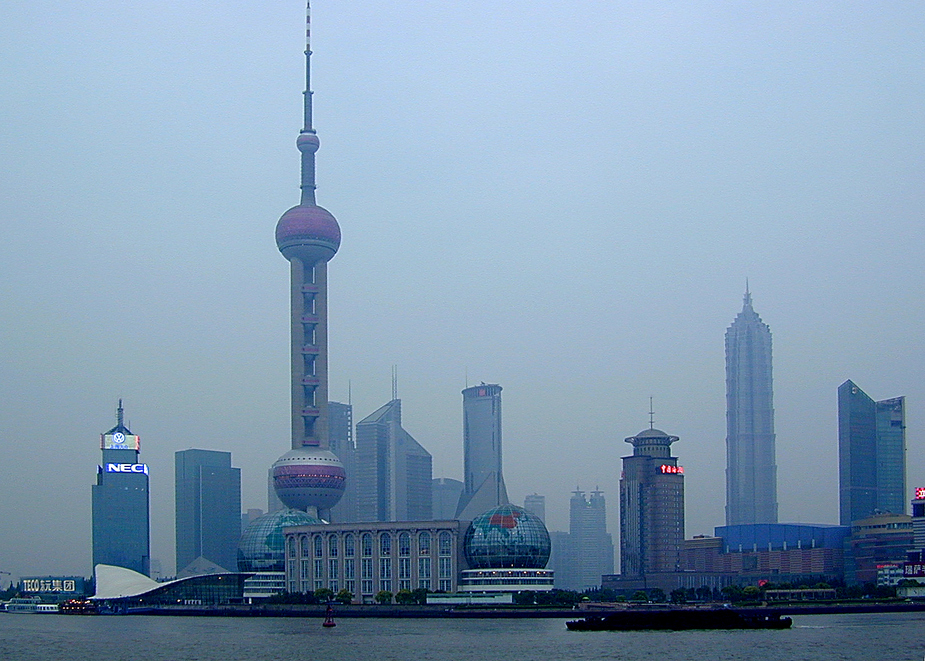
(680, 619)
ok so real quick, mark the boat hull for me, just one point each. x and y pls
(680, 620)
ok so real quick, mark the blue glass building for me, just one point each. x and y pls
(208, 508)
(121, 522)
(871, 454)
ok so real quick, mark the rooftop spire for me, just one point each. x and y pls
(308, 141)
(120, 414)
(651, 414)
(747, 302)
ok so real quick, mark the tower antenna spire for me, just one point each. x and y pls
(651, 414)
(308, 140)
(748, 294)
(120, 414)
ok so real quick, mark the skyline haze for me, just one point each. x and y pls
(564, 203)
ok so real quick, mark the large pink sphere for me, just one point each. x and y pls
(309, 477)
(308, 232)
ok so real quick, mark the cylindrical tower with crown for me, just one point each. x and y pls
(309, 477)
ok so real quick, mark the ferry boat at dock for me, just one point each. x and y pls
(29, 605)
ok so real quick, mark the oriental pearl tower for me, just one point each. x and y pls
(309, 477)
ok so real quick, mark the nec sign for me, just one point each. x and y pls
(127, 468)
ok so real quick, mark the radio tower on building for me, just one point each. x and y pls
(309, 477)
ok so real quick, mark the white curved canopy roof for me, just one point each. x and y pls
(115, 582)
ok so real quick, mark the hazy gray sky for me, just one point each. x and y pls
(563, 198)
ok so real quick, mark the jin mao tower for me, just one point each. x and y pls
(751, 469)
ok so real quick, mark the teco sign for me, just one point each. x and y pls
(665, 468)
(127, 468)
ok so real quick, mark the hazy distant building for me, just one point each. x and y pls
(208, 509)
(274, 504)
(582, 555)
(340, 435)
(251, 515)
(592, 545)
(536, 504)
(482, 475)
(651, 506)
(446, 492)
(561, 560)
(751, 469)
(121, 523)
(871, 455)
(393, 471)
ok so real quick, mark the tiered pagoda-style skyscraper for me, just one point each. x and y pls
(751, 468)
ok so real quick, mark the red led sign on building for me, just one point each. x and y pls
(665, 468)
(920, 493)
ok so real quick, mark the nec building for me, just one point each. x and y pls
(121, 532)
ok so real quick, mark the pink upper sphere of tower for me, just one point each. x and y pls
(308, 232)
(307, 142)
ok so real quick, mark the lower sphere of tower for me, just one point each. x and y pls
(309, 477)
(308, 232)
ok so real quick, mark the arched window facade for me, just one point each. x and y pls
(404, 544)
(424, 543)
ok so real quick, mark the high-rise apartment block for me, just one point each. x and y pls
(208, 511)
(121, 523)
(871, 455)
(483, 478)
(393, 471)
(651, 506)
(751, 468)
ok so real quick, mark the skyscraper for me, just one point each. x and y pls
(651, 506)
(446, 493)
(340, 433)
(309, 477)
(751, 469)
(483, 479)
(394, 472)
(591, 544)
(871, 455)
(121, 524)
(536, 504)
(208, 510)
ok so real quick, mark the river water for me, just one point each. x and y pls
(887, 637)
